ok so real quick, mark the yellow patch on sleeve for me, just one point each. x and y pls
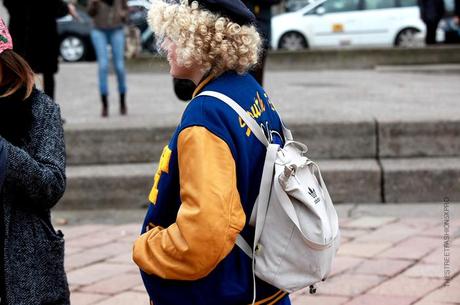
(162, 168)
(164, 161)
(153, 195)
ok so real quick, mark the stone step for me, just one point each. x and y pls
(99, 144)
(355, 181)
(421, 180)
(419, 139)
(366, 58)
(128, 185)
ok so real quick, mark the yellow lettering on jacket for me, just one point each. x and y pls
(261, 102)
(243, 124)
(269, 102)
(163, 167)
(257, 109)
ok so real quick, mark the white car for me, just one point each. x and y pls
(350, 23)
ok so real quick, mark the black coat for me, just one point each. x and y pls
(457, 8)
(33, 28)
(431, 10)
(32, 264)
(263, 13)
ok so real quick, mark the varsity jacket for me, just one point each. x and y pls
(202, 197)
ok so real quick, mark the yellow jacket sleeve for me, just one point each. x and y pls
(210, 216)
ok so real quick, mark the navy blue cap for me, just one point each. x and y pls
(235, 10)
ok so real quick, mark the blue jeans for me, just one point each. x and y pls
(116, 38)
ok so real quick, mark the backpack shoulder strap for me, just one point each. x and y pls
(267, 176)
(243, 245)
(252, 124)
(247, 118)
(286, 131)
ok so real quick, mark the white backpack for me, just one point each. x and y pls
(296, 225)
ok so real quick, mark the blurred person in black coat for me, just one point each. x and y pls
(431, 12)
(34, 28)
(457, 11)
(262, 9)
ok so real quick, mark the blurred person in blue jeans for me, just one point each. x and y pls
(109, 18)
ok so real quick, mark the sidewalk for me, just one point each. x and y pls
(383, 259)
(384, 94)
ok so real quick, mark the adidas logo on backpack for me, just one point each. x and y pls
(296, 225)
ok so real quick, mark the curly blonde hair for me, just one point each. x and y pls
(205, 39)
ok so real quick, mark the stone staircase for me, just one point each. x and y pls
(372, 161)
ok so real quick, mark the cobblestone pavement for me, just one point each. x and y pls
(383, 260)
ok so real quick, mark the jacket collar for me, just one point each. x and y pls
(202, 83)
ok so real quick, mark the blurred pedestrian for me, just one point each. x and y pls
(209, 174)
(133, 41)
(262, 9)
(431, 12)
(32, 180)
(109, 18)
(34, 28)
(457, 12)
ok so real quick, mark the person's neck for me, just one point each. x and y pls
(198, 76)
